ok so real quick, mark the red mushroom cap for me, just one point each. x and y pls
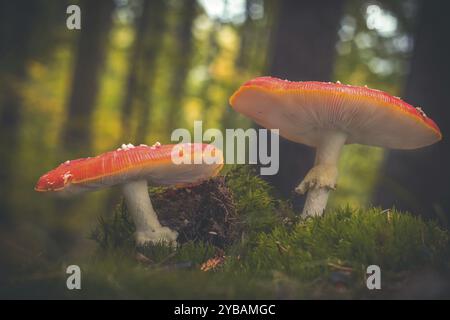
(303, 110)
(153, 164)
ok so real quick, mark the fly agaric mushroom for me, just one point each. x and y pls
(133, 168)
(328, 115)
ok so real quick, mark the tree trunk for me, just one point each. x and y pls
(15, 38)
(149, 31)
(213, 49)
(303, 48)
(132, 79)
(96, 21)
(152, 44)
(181, 61)
(418, 180)
(246, 34)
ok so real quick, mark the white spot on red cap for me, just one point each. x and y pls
(422, 113)
(156, 145)
(67, 176)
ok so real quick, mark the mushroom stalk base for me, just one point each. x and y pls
(148, 228)
(323, 176)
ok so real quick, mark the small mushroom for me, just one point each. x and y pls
(327, 116)
(133, 168)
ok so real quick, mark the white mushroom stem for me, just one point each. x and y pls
(148, 228)
(323, 176)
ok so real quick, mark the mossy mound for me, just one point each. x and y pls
(201, 213)
(215, 212)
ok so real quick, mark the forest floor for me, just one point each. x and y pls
(237, 241)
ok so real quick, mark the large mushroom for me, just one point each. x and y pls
(328, 115)
(134, 168)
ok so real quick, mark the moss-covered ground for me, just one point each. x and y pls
(261, 250)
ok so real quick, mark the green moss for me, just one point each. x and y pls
(274, 248)
(348, 238)
(274, 255)
(115, 231)
(258, 210)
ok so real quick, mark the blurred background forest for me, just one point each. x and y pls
(139, 69)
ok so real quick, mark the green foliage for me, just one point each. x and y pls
(349, 238)
(116, 231)
(277, 256)
(184, 256)
(114, 278)
(258, 209)
(274, 257)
